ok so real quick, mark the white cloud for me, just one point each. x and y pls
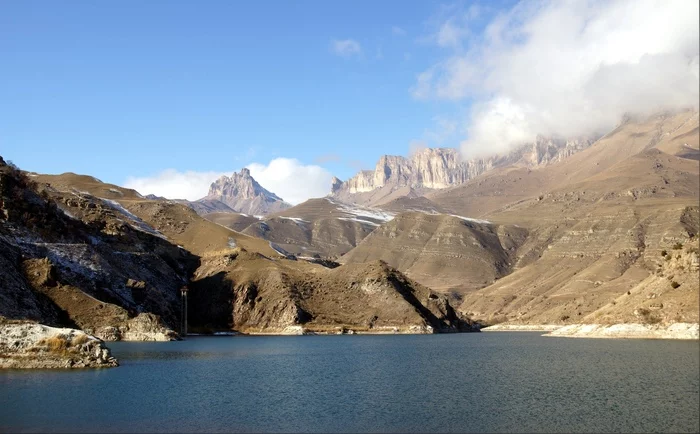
(173, 184)
(291, 180)
(346, 47)
(565, 67)
(286, 177)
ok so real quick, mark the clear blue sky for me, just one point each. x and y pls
(130, 88)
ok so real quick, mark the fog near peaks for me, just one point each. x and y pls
(568, 69)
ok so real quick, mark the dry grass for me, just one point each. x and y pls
(56, 344)
(80, 339)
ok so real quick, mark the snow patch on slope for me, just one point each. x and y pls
(297, 220)
(135, 222)
(471, 220)
(361, 211)
(361, 221)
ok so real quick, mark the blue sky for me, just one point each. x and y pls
(129, 89)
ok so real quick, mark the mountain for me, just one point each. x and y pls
(610, 234)
(439, 168)
(318, 227)
(448, 253)
(239, 193)
(114, 267)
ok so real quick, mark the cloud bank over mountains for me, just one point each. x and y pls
(288, 178)
(564, 67)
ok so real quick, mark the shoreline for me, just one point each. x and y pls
(674, 331)
(521, 328)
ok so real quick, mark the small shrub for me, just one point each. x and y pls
(56, 343)
(678, 246)
(564, 317)
(664, 253)
(653, 319)
(668, 257)
(675, 284)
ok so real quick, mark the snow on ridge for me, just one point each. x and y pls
(374, 214)
(67, 214)
(362, 221)
(136, 222)
(296, 220)
(468, 219)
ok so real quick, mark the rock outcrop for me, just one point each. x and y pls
(25, 344)
(239, 192)
(438, 168)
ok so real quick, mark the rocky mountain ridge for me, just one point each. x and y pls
(439, 168)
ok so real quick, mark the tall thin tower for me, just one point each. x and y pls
(183, 314)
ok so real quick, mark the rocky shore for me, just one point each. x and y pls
(688, 331)
(521, 328)
(29, 345)
(629, 331)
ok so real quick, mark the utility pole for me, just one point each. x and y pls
(183, 314)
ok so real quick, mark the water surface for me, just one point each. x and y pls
(459, 382)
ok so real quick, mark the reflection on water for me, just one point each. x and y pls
(462, 382)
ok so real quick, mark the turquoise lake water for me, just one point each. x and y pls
(472, 382)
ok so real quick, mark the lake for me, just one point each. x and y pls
(494, 382)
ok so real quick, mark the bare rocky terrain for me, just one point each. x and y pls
(73, 259)
(445, 252)
(25, 344)
(319, 227)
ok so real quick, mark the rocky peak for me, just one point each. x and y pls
(335, 184)
(242, 193)
(241, 186)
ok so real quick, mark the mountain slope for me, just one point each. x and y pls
(599, 233)
(447, 253)
(321, 227)
(72, 259)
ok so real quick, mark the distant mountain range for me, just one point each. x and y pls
(394, 177)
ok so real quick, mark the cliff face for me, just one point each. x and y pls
(242, 193)
(437, 168)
